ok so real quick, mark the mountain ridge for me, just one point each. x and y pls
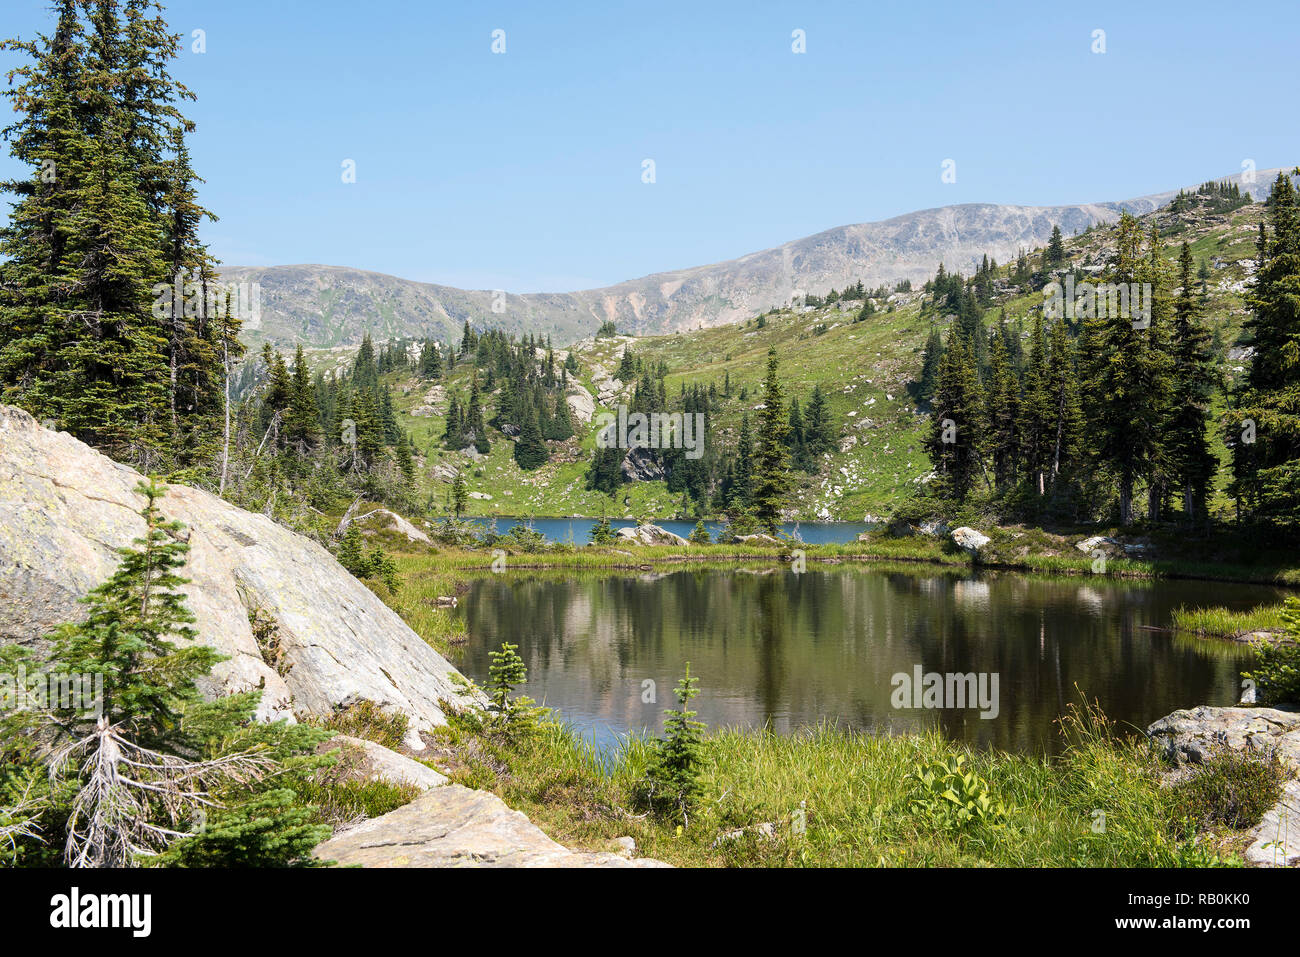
(320, 305)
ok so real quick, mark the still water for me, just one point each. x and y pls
(578, 530)
(774, 648)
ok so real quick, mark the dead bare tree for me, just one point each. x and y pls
(132, 799)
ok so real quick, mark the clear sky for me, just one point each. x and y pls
(523, 170)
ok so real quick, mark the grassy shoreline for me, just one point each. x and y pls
(827, 796)
(904, 551)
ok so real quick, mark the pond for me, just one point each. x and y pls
(578, 530)
(849, 643)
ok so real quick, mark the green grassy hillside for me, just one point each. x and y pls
(864, 368)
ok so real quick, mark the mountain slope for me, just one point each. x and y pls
(327, 306)
(864, 368)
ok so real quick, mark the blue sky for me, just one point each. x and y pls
(523, 170)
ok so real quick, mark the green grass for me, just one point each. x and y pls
(1100, 804)
(1223, 623)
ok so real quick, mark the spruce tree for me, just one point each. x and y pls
(1194, 380)
(772, 482)
(1001, 437)
(530, 448)
(672, 785)
(459, 494)
(954, 440)
(1056, 248)
(1128, 416)
(931, 358)
(1267, 470)
(101, 233)
(474, 419)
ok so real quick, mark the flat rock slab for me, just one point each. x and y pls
(376, 762)
(1193, 734)
(1277, 838)
(455, 826)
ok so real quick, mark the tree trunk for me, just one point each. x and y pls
(225, 438)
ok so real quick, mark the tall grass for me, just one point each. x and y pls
(1223, 623)
(1100, 804)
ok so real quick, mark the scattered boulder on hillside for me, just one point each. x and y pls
(650, 535)
(382, 518)
(581, 403)
(64, 511)
(432, 403)
(368, 761)
(607, 390)
(639, 465)
(1110, 547)
(969, 540)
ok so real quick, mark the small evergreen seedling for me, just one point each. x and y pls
(673, 779)
(602, 533)
(128, 634)
(505, 673)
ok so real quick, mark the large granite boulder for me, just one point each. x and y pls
(650, 535)
(1191, 736)
(969, 540)
(65, 509)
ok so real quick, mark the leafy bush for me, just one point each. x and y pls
(1277, 668)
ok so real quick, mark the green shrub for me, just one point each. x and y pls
(602, 533)
(1232, 788)
(365, 720)
(1277, 667)
(338, 801)
(270, 830)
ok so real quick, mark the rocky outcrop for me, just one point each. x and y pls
(639, 465)
(650, 535)
(453, 826)
(969, 540)
(65, 509)
(1193, 735)
(581, 404)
